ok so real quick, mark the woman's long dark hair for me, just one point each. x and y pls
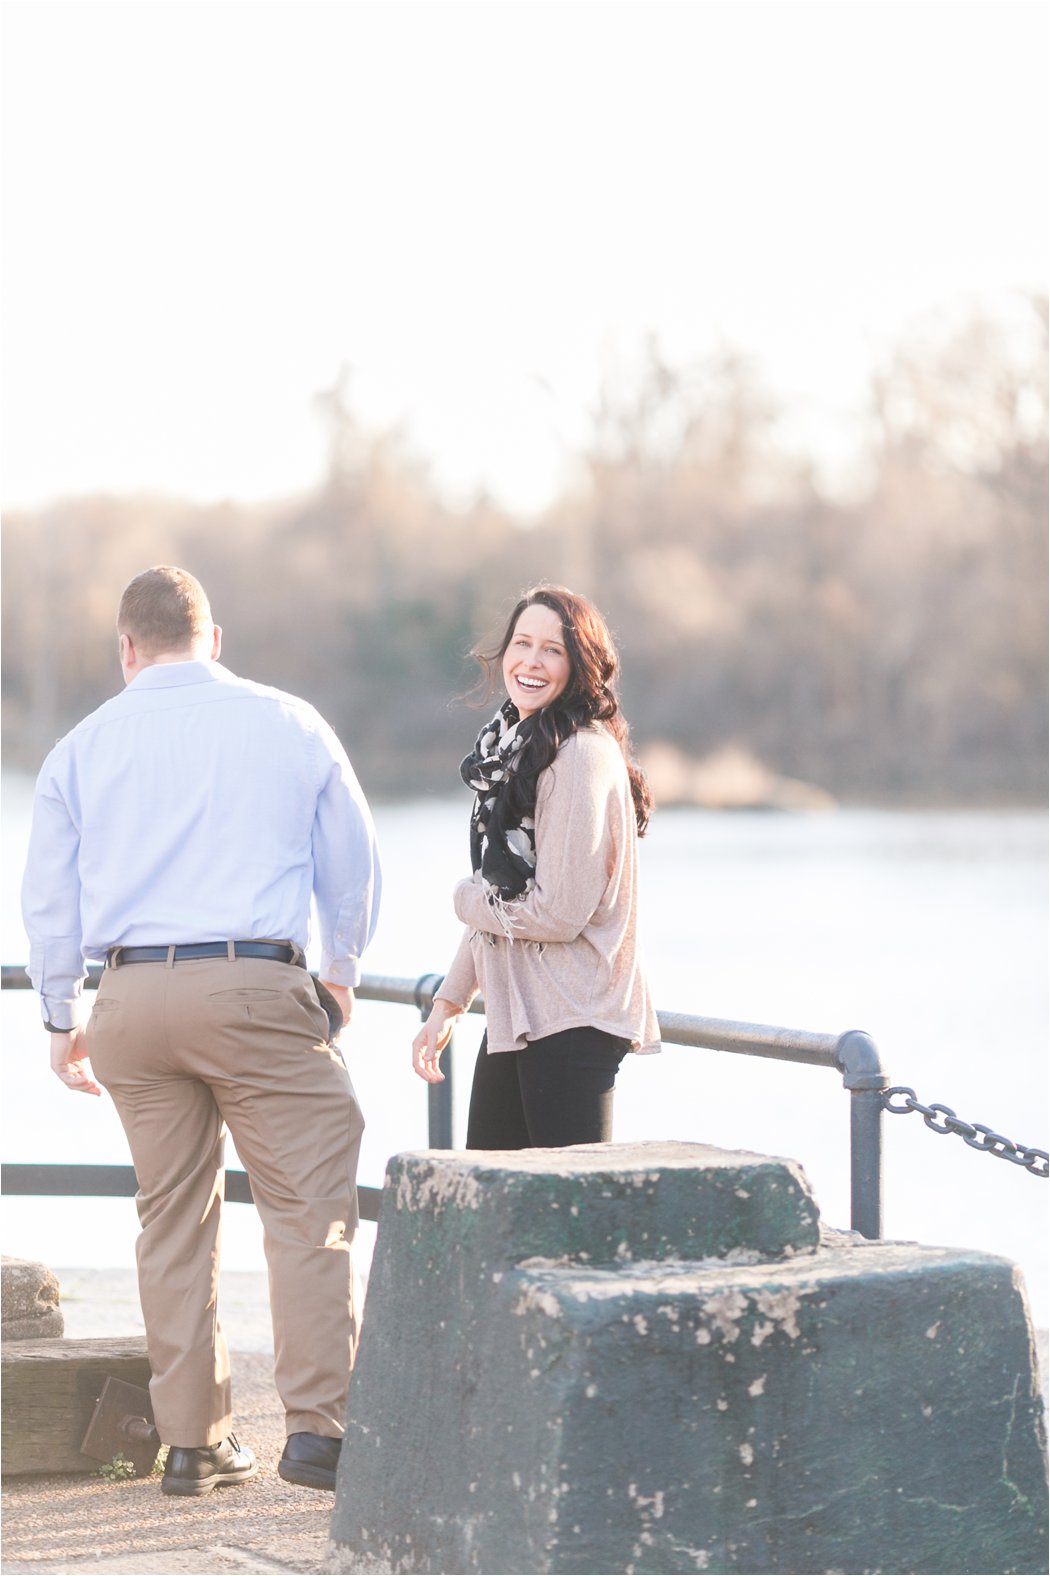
(589, 696)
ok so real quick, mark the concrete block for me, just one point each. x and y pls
(601, 1203)
(29, 1301)
(537, 1391)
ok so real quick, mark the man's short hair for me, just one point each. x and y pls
(163, 609)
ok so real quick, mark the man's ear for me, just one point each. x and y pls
(126, 648)
(216, 643)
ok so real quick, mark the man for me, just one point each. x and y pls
(178, 833)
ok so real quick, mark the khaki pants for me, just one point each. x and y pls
(187, 1050)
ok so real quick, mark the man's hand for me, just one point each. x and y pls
(344, 996)
(69, 1062)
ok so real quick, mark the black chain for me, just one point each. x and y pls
(942, 1119)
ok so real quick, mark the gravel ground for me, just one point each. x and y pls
(75, 1524)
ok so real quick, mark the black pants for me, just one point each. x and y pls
(558, 1090)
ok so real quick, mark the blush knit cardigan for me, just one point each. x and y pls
(572, 959)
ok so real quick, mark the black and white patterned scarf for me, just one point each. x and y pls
(502, 845)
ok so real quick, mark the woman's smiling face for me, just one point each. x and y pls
(536, 666)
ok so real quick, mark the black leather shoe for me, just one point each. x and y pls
(310, 1460)
(199, 1471)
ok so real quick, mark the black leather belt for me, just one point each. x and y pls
(277, 951)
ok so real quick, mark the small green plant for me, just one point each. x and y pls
(118, 1469)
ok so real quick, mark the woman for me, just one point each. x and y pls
(550, 910)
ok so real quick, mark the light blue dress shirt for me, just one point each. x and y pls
(195, 806)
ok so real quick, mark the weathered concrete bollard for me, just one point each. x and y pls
(648, 1358)
(29, 1301)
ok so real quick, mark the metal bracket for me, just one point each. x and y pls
(859, 1061)
(122, 1425)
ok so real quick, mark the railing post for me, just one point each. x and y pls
(439, 1095)
(863, 1076)
(865, 1128)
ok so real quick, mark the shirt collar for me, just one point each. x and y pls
(174, 675)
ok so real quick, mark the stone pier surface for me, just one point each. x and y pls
(653, 1358)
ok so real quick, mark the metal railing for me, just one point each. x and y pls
(852, 1055)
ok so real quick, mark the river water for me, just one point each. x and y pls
(927, 929)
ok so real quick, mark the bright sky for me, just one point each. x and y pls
(482, 208)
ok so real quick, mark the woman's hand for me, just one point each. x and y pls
(432, 1039)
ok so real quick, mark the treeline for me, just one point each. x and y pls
(890, 648)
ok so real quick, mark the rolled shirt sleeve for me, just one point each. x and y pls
(347, 878)
(51, 896)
